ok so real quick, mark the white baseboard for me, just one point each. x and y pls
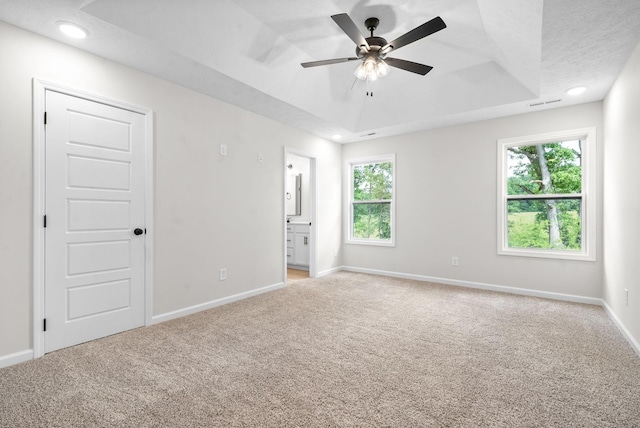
(16, 358)
(212, 304)
(329, 271)
(625, 333)
(481, 286)
(513, 290)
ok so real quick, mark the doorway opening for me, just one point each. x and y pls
(300, 215)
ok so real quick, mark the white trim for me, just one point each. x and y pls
(214, 303)
(148, 209)
(330, 271)
(39, 88)
(16, 358)
(481, 286)
(348, 194)
(313, 229)
(589, 191)
(625, 333)
(38, 213)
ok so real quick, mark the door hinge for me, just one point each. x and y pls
(44, 324)
(45, 221)
(145, 230)
(45, 117)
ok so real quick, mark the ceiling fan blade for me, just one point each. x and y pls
(413, 67)
(350, 29)
(327, 62)
(436, 24)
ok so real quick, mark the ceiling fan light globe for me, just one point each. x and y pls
(372, 77)
(382, 68)
(360, 72)
(370, 65)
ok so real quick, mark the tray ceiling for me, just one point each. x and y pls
(495, 58)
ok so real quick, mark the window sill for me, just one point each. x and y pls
(546, 254)
(370, 242)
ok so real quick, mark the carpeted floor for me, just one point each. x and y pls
(344, 350)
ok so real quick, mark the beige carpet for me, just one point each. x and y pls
(345, 350)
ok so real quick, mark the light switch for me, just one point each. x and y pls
(223, 149)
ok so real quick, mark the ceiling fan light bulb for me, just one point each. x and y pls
(370, 66)
(360, 72)
(372, 77)
(382, 68)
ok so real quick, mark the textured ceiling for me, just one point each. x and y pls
(495, 58)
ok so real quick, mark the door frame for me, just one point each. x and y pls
(313, 186)
(39, 198)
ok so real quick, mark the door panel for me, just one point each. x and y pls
(94, 299)
(89, 257)
(86, 215)
(98, 173)
(113, 134)
(94, 263)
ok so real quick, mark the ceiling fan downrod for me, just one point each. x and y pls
(371, 24)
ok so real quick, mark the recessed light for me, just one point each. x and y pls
(72, 30)
(576, 91)
(337, 137)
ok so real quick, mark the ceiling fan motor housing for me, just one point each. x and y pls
(375, 43)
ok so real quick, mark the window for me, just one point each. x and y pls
(546, 202)
(370, 193)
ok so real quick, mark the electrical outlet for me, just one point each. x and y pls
(223, 274)
(455, 261)
(223, 149)
(626, 297)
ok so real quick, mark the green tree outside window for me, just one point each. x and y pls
(371, 203)
(553, 169)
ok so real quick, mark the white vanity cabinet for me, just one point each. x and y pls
(298, 245)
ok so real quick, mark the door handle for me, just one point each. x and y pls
(138, 231)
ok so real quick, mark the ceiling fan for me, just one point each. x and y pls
(373, 50)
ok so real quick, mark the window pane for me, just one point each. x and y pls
(545, 168)
(545, 224)
(372, 221)
(372, 181)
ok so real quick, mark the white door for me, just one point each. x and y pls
(94, 262)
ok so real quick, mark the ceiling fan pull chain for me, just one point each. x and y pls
(369, 91)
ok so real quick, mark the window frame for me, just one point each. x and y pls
(349, 201)
(588, 195)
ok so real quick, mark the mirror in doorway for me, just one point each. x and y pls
(294, 194)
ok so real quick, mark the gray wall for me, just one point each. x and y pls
(621, 197)
(446, 206)
(210, 211)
